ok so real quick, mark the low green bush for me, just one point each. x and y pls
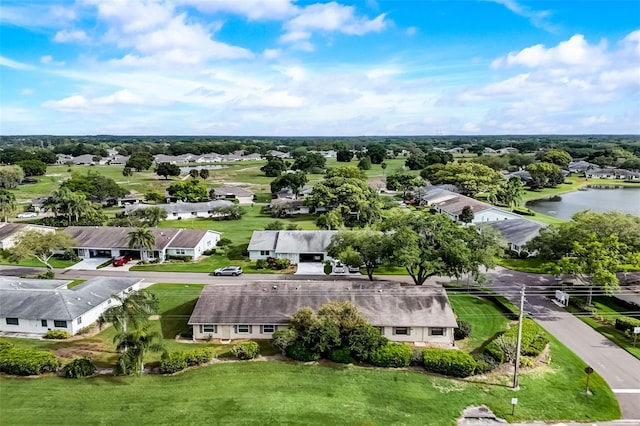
(536, 347)
(449, 362)
(198, 356)
(298, 351)
(282, 264)
(493, 351)
(5, 346)
(57, 334)
(417, 359)
(627, 323)
(364, 340)
(179, 258)
(173, 362)
(209, 252)
(79, 367)
(526, 361)
(463, 331)
(246, 350)
(341, 356)
(262, 264)
(484, 362)
(391, 355)
(27, 362)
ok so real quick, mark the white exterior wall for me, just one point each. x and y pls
(419, 334)
(227, 331)
(293, 257)
(180, 252)
(207, 242)
(257, 254)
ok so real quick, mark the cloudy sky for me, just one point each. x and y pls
(287, 67)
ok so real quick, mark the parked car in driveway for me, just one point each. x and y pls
(121, 260)
(228, 270)
(27, 215)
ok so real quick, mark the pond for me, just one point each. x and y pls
(625, 200)
(187, 169)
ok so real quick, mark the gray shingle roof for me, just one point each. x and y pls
(382, 303)
(181, 207)
(453, 203)
(103, 237)
(188, 239)
(233, 190)
(263, 240)
(303, 241)
(516, 231)
(30, 302)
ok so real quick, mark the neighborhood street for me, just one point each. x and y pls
(615, 365)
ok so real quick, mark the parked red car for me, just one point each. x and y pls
(121, 260)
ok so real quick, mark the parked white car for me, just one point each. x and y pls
(27, 215)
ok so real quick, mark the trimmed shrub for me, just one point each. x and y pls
(365, 339)
(493, 351)
(534, 340)
(179, 257)
(536, 347)
(281, 339)
(27, 362)
(198, 356)
(526, 361)
(298, 351)
(391, 355)
(417, 359)
(463, 331)
(341, 356)
(627, 323)
(262, 264)
(173, 363)
(5, 346)
(449, 362)
(57, 334)
(79, 367)
(282, 263)
(484, 362)
(246, 350)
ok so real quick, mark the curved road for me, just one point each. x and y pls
(615, 365)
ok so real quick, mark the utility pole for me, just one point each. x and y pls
(519, 341)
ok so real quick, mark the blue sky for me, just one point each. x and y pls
(288, 68)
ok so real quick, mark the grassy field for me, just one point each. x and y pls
(532, 265)
(573, 183)
(607, 310)
(292, 393)
(56, 263)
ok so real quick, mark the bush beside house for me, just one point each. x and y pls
(26, 362)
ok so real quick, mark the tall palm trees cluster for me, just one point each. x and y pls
(134, 336)
(71, 205)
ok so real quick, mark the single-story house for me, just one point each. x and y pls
(10, 232)
(117, 160)
(84, 159)
(612, 173)
(508, 150)
(110, 241)
(297, 246)
(524, 176)
(36, 306)
(581, 166)
(289, 207)
(288, 193)
(229, 192)
(278, 154)
(62, 159)
(451, 204)
(182, 211)
(517, 232)
(255, 311)
(209, 158)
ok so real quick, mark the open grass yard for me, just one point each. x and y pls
(607, 310)
(533, 265)
(32, 262)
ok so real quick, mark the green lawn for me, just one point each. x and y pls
(532, 265)
(56, 263)
(607, 311)
(485, 318)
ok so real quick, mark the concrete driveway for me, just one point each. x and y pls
(89, 264)
(310, 268)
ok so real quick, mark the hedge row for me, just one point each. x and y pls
(26, 362)
(449, 362)
(391, 355)
(177, 361)
(79, 367)
(625, 324)
(57, 334)
(533, 342)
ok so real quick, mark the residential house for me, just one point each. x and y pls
(288, 193)
(297, 246)
(84, 159)
(183, 211)
(451, 204)
(581, 166)
(488, 150)
(289, 207)
(37, 204)
(524, 176)
(30, 306)
(279, 154)
(612, 173)
(10, 232)
(209, 158)
(517, 232)
(108, 241)
(415, 314)
(62, 159)
(507, 150)
(229, 192)
(251, 157)
(117, 160)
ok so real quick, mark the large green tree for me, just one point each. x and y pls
(294, 181)
(32, 167)
(404, 182)
(191, 191)
(140, 161)
(470, 178)
(166, 169)
(94, 186)
(366, 247)
(377, 153)
(40, 245)
(11, 176)
(7, 204)
(74, 207)
(558, 157)
(545, 175)
(312, 160)
(274, 166)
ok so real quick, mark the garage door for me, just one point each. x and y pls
(311, 257)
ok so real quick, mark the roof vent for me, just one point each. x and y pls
(77, 298)
(379, 291)
(88, 303)
(275, 287)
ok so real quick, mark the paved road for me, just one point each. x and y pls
(616, 366)
(620, 369)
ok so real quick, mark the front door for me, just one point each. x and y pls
(226, 332)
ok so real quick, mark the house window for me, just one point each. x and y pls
(381, 330)
(437, 331)
(243, 328)
(44, 323)
(13, 321)
(175, 214)
(59, 323)
(181, 251)
(264, 252)
(79, 321)
(402, 331)
(267, 329)
(209, 328)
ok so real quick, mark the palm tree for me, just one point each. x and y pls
(142, 239)
(131, 311)
(133, 346)
(513, 191)
(154, 215)
(7, 203)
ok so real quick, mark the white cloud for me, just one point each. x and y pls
(10, 63)
(26, 91)
(35, 15)
(65, 36)
(411, 31)
(133, 16)
(271, 53)
(48, 60)
(252, 9)
(574, 52)
(100, 105)
(538, 18)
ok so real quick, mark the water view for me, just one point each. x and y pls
(625, 200)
